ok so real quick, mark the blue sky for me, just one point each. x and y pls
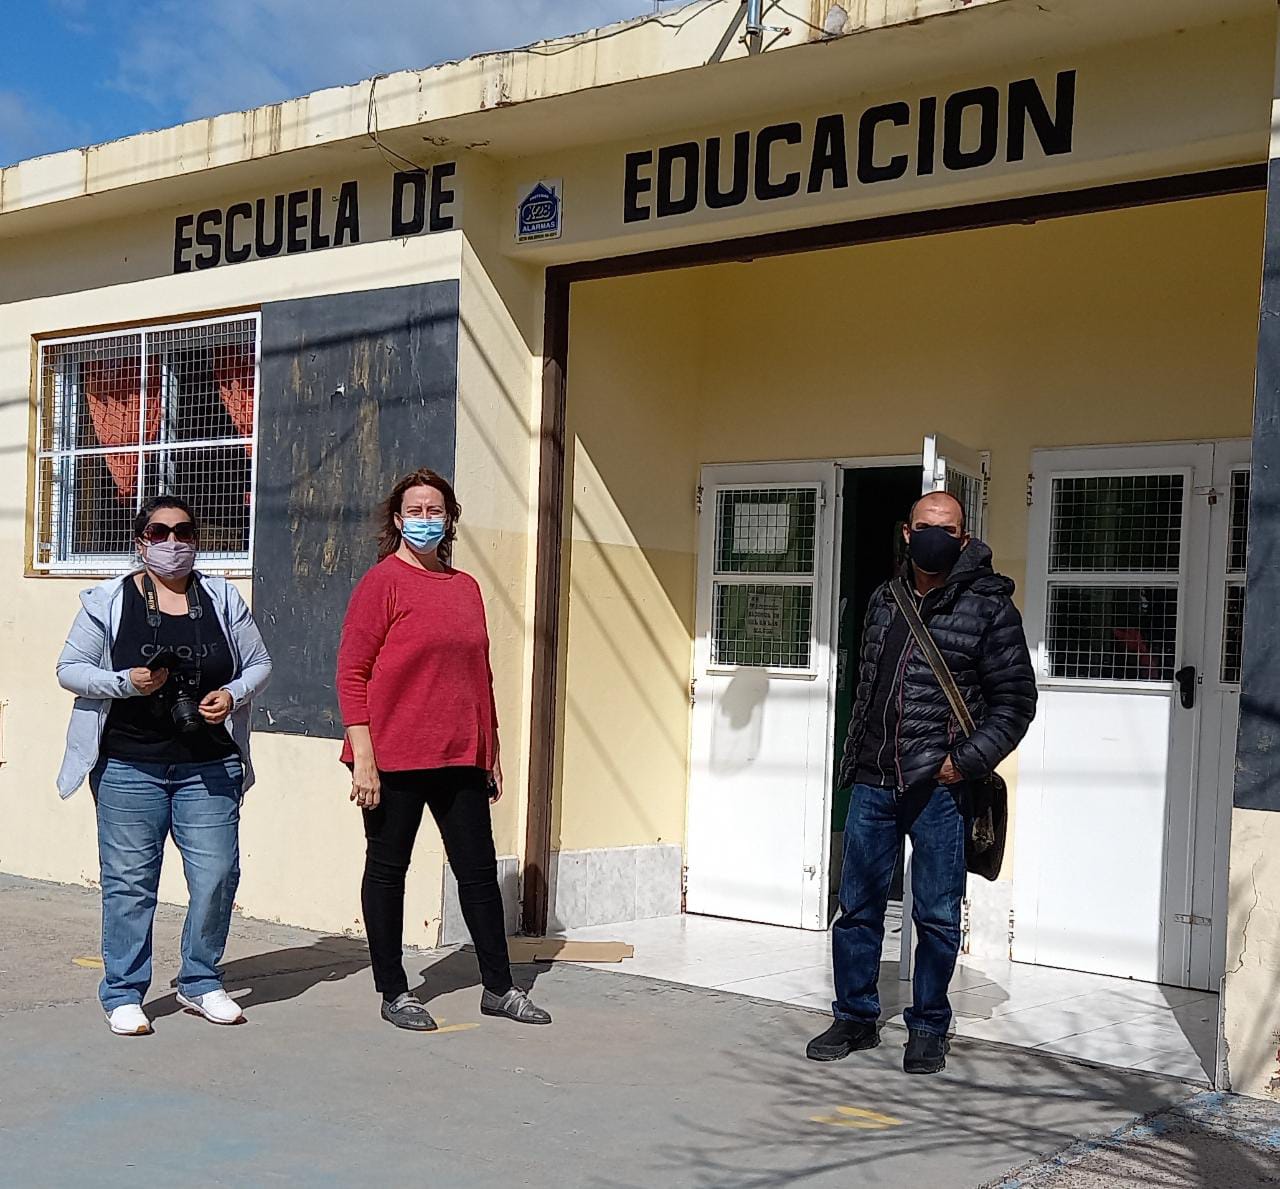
(78, 72)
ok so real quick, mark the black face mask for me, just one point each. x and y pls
(934, 550)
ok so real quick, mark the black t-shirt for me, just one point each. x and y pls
(143, 729)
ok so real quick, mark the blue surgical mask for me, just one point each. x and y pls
(423, 534)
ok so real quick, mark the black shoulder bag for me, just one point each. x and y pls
(988, 808)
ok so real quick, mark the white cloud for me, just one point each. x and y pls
(27, 129)
(226, 55)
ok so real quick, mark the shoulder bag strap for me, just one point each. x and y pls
(932, 654)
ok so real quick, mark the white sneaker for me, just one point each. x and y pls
(217, 1007)
(129, 1020)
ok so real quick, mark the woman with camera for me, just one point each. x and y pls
(416, 693)
(164, 664)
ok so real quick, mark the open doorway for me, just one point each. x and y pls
(875, 503)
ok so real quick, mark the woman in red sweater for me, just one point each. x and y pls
(416, 693)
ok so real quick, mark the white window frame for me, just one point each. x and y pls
(719, 577)
(111, 564)
(1164, 579)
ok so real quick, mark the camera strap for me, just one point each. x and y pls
(154, 618)
(194, 612)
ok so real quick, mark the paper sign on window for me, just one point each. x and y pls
(764, 615)
(761, 528)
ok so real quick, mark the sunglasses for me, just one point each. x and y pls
(185, 532)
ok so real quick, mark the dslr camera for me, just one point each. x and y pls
(180, 695)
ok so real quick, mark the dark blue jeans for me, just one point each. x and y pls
(878, 818)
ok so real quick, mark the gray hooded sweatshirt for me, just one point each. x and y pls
(84, 669)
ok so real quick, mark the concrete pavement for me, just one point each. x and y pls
(638, 1083)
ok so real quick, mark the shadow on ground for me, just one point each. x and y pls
(280, 975)
(992, 1097)
(284, 974)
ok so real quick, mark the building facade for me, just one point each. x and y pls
(689, 326)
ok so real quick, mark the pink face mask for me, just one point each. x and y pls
(170, 559)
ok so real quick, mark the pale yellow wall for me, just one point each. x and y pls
(1135, 326)
(634, 383)
(499, 404)
(302, 844)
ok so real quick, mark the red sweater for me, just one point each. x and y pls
(413, 665)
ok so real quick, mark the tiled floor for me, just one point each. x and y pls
(1108, 1020)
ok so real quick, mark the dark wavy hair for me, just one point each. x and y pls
(154, 504)
(389, 535)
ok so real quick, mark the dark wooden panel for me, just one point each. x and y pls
(547, 607)
(356, 389)
(1258, 743)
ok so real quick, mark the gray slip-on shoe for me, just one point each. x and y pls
(408, 1012)
(514, 1005)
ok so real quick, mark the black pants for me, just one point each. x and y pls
(459, 801)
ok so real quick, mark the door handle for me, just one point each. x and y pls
(1187, 681)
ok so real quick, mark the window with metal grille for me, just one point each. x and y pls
(765, 570)
(1237, 555)
(1115, 560)
(969, 491)
(127, 415)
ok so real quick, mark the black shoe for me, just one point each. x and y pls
(408, 1012)
(926, 1053)
(841, 1039)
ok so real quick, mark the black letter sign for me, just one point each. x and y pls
(736, 194)
(954, 155)
(417, 182)
(441, 196)
(669, 202)
(886, 113)
(634, 186)
(1053, 132)
(829, 155)
(766, 187)
(181, 242)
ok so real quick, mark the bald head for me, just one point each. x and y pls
(937, 507)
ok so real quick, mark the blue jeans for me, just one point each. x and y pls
(873, 835)
(139, 805)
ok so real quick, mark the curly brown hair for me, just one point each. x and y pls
(389, 535)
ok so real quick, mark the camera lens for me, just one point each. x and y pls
(186, 714)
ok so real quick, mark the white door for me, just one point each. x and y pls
(949, 466)
(964, 472)
(1117, 810)
(759, 812)
(1204, 939)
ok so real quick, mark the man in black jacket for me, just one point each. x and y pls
(908, 761)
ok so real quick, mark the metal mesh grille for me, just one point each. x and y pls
(1233, 633)
(153, 412)
(1238, 540)
(768, 531)
(1112, 633)
(1116, 524)
(766, 627)
(968, 490)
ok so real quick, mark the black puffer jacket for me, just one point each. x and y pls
(979, 632)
